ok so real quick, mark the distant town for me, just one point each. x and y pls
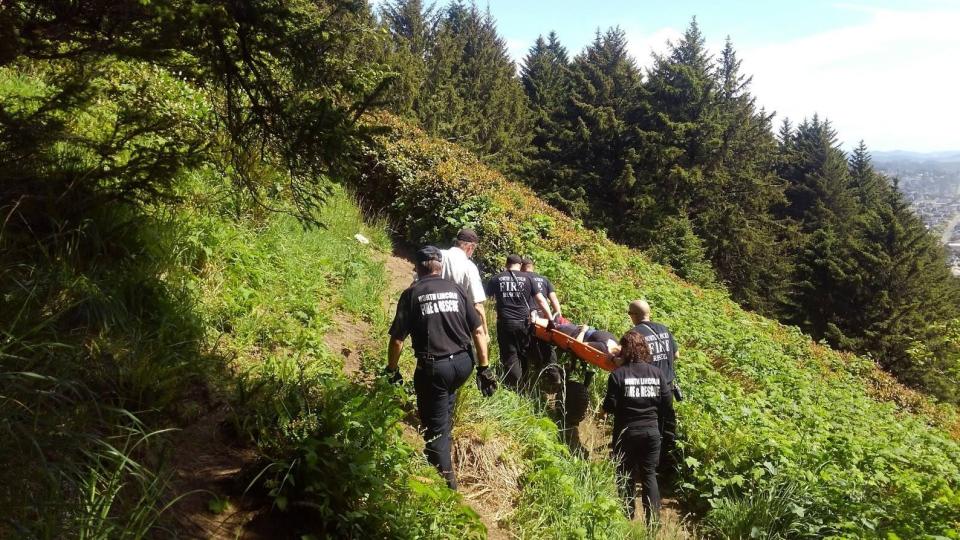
(931, 182)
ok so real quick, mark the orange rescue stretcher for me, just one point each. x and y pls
(580, 350)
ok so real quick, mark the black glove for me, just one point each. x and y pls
(393, 376)
(486, 382)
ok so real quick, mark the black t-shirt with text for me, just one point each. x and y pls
(436, 315)
(663, 348)
(514, 292)
(637, 395)
(543, 286)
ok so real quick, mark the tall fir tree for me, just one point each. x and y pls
(591, 148)
(471, 94)
(548, 81)
(710, 157)
(865, 181)
(410, 26)
(905, 293)
(545, 74)
(744, 240)
(815, 169)
(824, 208)
(682, 137)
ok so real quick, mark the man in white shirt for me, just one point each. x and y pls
(458, 268)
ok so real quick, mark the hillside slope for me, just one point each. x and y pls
(190, 337)
(778, 432)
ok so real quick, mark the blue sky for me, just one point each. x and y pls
(748, 22)
(886, 71)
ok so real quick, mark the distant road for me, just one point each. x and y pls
(948, 231)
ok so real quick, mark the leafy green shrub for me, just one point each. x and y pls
(98, 323)
(774, 513)
(764, 405)
(335, 462)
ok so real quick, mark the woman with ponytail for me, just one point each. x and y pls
(638, 397)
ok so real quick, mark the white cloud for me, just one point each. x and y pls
(517, 49)
(892, 80)
(643, 45)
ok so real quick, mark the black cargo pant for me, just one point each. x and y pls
(638, 453)
(668, 426)
(513, 338)
(436, 383)
(543, 363)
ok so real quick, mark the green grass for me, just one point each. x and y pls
(560, 495)
(95, 351)
(765, 406)
(335, 461)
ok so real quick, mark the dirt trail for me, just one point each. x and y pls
(205, 467)
(350, 337)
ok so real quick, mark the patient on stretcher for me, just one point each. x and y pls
(601, 340)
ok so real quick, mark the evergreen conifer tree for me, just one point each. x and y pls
(545, 74)
(824, 208)
(471, 94)
(409, 24)
(905, 293)
(591, 146)
(711, 157)
(548, 83)
(744, 240)
(865, 181)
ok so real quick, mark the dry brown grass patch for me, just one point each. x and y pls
(488, 469)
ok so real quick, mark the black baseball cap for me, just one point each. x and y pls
(468, 235)
(429, 253)
(513, 259)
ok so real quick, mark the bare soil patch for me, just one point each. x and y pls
(347, 338)
(205, 465)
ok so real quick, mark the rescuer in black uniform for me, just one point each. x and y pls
(542, 351)
(517, 297)
(546, 287)
(637, 396)
(441, 322)
(663, 349)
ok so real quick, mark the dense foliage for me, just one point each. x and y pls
(787, 222)
(158, 163)
(107, 109)
(456, 78)
(778, 433)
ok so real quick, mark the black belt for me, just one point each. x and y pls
(433, 359)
